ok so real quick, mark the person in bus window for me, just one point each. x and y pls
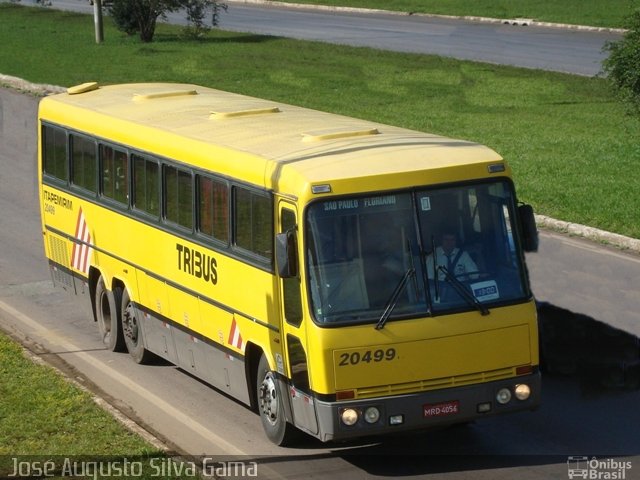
(457, 261)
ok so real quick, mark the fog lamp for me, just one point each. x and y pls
(349, 416)
(503, 396)
(396, 419)
(371, 415)
(522, 391)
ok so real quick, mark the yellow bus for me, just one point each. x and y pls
(342, 277)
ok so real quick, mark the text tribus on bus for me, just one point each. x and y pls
(340, 276)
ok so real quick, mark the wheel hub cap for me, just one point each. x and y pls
(130, 325)
(269, 399)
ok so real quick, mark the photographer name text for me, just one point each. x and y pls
(124, 467)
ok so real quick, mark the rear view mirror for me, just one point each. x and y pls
(528, 228)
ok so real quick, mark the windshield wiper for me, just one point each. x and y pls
(393, 300)
(435, 269)
(462, 291)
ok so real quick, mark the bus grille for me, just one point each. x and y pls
(58, 251)
(58, 254)
(436, 383)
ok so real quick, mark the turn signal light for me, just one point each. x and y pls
(524, 370)
(346, 395)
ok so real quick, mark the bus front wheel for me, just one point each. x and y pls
(271, 406)
(132, 331)
(107, 316)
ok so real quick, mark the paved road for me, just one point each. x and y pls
(532, 47)
(572, 51)
(585, 411)
(588, 278)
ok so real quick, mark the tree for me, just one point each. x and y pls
(196, 13)
(623, 64)
(141, 16)
(124, 17)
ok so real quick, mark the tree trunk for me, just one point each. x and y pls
(147, 29)
(147, 12)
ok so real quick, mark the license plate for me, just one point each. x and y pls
(442, 409)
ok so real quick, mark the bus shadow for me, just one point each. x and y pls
(239, 38)
(602, 358)
(401, 465)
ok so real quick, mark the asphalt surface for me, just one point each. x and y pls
(570, 50)
(538, 47)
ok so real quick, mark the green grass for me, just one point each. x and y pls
(599, 13)
(574, 151)
(42, 414)
(44, 418)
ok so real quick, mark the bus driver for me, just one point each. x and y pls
(456, 261)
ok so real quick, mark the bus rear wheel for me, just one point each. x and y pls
(107, 313)
(132, 331)
(271, 406)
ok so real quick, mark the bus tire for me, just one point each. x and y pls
(132, 331)
(271, 407)
(107, 311)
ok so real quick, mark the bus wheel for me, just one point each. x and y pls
(107, 316)
(271, 406)
(132, 331)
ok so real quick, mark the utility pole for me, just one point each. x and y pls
(97, 20)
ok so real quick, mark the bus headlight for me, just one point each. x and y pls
(371, 415)
(349, 416)
(503, 396)
(522, 391)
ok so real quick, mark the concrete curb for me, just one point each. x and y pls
(469, 18)
(590, 233)
(36, 89)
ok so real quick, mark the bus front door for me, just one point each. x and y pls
(294, 332)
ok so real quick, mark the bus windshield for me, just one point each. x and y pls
(409, 254)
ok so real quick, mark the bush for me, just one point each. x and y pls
(623, 64)
(196, 13)
(123, 14)
(140, 16)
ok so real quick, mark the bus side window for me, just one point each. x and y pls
(55, 152)
(253, 222)
(178, 195)
(114, 174)
(84, 162)
(213, 208)
(146, 185)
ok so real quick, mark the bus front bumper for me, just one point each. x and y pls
(425, 409)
